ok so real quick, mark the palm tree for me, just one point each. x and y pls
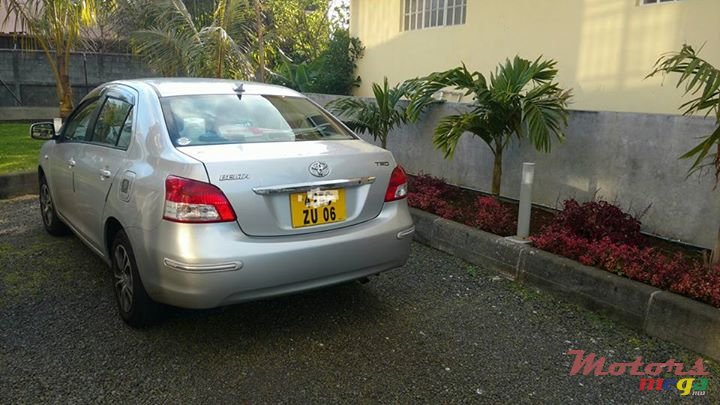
(698, 76)
(175, 46)
(382, 115)
(56, 26)
(260, 40)
(520, 99)
(702, 81)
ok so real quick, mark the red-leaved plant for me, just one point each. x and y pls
(596, 234)
(490, 215)
(596, 220)
(611, 240)
(433, 195)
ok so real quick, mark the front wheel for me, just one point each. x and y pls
(136, 308)
(52, 223)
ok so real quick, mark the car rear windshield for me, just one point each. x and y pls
(224, 119)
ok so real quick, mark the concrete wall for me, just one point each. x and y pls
(623, 157)
(28, 114)
(604, 48)
(27, 74)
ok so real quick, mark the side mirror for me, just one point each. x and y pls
(42, 130)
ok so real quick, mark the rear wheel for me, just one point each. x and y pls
(136, 308)
(52, 223)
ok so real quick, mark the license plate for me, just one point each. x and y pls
(317, 207)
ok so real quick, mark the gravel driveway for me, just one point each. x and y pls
(437, 330)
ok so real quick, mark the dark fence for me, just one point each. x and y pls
(26, 78)
(17, 41)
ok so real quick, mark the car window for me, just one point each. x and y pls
(110, 121)
(126, 132)
(76, 127)
(227, 118)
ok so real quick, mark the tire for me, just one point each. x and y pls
(51, 222)
(134, 305)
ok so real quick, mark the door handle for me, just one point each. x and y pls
(71, 163)
(104, 174)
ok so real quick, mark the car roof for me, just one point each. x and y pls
(168, 87)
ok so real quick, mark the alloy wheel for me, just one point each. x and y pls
(123, 278)
(46, 205)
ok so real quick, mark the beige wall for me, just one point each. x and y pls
(604, 48)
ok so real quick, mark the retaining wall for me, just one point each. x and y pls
(627, 158)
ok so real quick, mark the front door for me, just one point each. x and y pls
(63, 160)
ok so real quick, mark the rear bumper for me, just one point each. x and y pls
(211, 265)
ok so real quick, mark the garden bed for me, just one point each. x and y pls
(460, 205)
(597, 234)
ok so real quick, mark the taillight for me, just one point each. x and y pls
(397, 189)
(194, 201)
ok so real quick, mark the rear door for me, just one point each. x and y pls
(102, 158)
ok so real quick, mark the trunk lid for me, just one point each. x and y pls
(259, 179)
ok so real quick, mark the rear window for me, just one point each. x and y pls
(223, 119)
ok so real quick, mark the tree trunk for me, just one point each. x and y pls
(63, 86)
(715, 256)
(261, 42)
(219, 59)
(497, 171)
(383, 141)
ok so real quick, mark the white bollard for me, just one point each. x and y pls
(523, 224)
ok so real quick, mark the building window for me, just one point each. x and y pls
(419, 14)
(658, 1)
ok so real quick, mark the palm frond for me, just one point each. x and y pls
(702, 151)
(55, 26)
(544, 115)
(175, 45)
(702, 80)
(353, 112)
(543, 70)
(519, 98)
(240, 25)
(698, 77)
(165, 51)
(421, 91)
(451, 128)
(378, 118)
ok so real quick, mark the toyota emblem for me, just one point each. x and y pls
(319, 169)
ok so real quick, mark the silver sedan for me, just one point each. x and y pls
(202, 193)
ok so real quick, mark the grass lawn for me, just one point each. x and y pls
(18, 152)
